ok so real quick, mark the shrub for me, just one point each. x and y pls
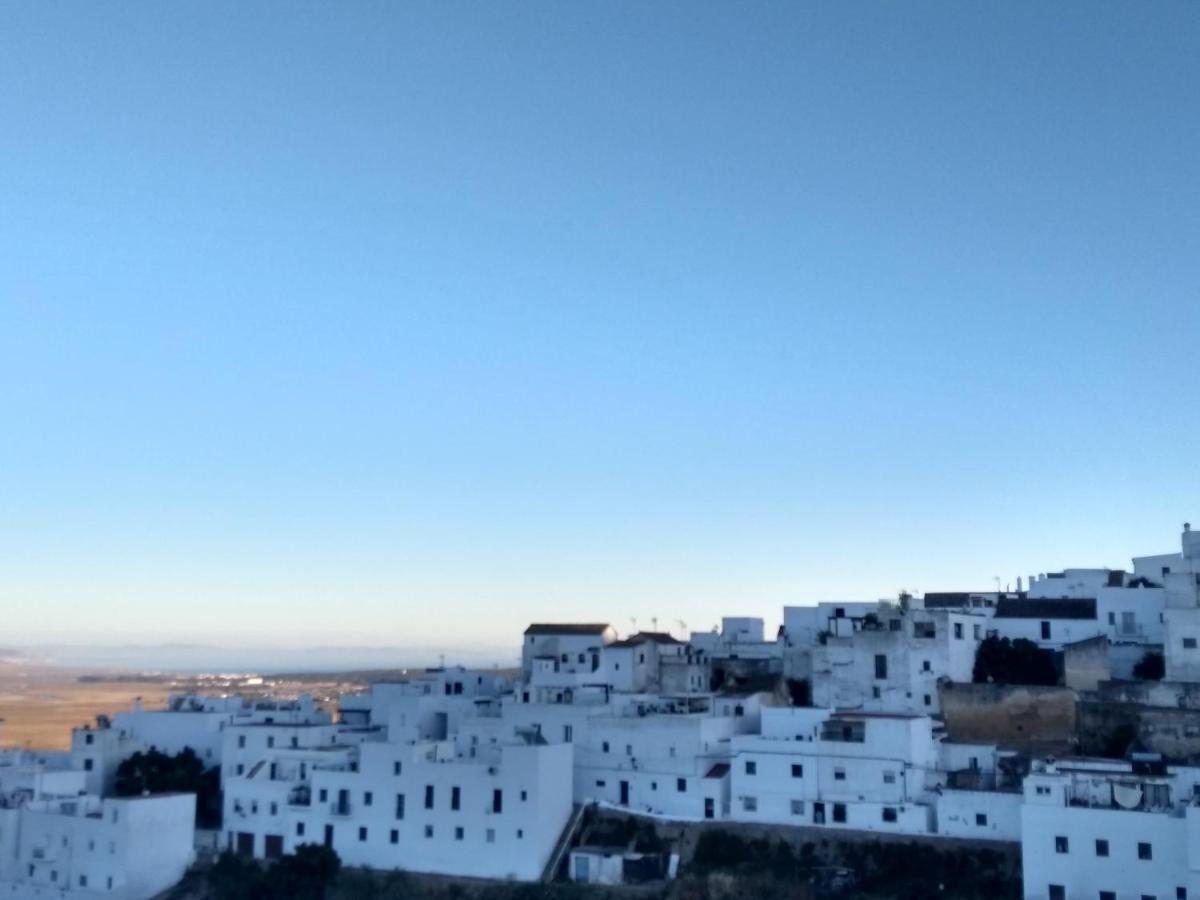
(1005, 661)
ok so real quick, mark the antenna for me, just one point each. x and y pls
(633, 619)
(682, 626)
(654, 623)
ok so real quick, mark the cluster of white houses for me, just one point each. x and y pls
(466, 772)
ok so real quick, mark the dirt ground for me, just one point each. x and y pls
(40, 706)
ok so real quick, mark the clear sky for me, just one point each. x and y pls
(390, 322)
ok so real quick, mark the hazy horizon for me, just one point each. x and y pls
(407, 325)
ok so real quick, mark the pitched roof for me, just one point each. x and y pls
(547, 628)
(1047, 608)
(646, 637)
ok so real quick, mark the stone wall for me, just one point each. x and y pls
(1037, 719)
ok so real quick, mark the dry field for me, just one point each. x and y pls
(40, 705)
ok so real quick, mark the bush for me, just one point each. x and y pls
(1151, 667)
(1005, 661)
(184, 773)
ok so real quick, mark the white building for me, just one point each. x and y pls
(450, 807)
(891, 659)
(58, 841)
(1110, 830)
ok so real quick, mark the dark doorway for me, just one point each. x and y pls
(624, 793)
(710, 808)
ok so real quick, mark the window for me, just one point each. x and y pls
(926, 666)
(458, 834)
(1042, 790)
(568, 734)
(270, 742)
(240, 768)
(981, 819)
(839, 774)
(399, 806)
(89, 738)
(524, 796)
(797, 807)
(889, 814)
(928, 700)
(1145, 851)
(394, 836)
(87, 765)
(604, 747)
(750, 804)
(797, 770)
(880, 665)
(1057, 892)
(429, 796)
(520, 833)
(428, 831)
(1108, 895)
(681, 785)
(1189, 643)
(875, 692)
(889, 777)
(362, 833)
(1180, 893)
(629, 749)
(396, 767)
(1045, 631)
(1061, 844)
(976, 631)
(894, 624)
(1101, 847)
(751, 767)
(958, 631)
(839, 812)
(241, 742)
(367, 798)
(83, 881)
(299, 829)
(491, 835)
(455, 797)
(497, 801)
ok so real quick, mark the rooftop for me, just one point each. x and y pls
(550, 628)
(1047, 608)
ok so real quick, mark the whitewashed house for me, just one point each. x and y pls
(1110, 830)
(58, 841)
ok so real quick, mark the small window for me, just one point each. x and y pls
(797, 807)
(681, 785)
(429, 796)
(889, 814)
(394, 836)
(1045, 631)
(241, 742)
(367, 798)
(240, 768)
(881, 666)
(889, 777)
(797, 770)
(604, 747)
(750, 804)
(428, 831)
(455, 797)
(490, 835)
(458, 834)
(839, 774)
(270, 742)
(299, 829)
(958, 631)
(926, 666)
(399, 806)
(839, 812)
(1057, 892)
(1061, 844)
(1108, 895)
(928, 700)
(520, 833)
(1101, 847)
(751, 767)
(976, 631)
(1189, 643)
(1145, 851)
(981, 819)
(396, 767)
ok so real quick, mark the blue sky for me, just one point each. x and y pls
(410, 323)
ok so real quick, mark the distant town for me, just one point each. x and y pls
(1047, 738)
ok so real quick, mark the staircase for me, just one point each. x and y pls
(564, 843)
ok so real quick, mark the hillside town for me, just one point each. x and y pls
(1061, 717)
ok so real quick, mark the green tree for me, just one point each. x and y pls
(155, 772)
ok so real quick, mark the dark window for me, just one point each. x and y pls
(429, 796)
(839, 812)
(458, 834)
(323, 795)
(797, 770)
(889, 814)
(428, 831)
(1045, 631)
(981, 819)
(1101, 847)
(367, 798)
(396, 768)
(681, 785)
(751, 767)
(399, 806)
(958, 632)
(1189, 643)
(497, 800)
(880, 665)
(1108, 895)
(394, 837)
(362, 833)
(299, 829)
(1057, 892)
(1061, 844)
(455, 797)
(1145, 851)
